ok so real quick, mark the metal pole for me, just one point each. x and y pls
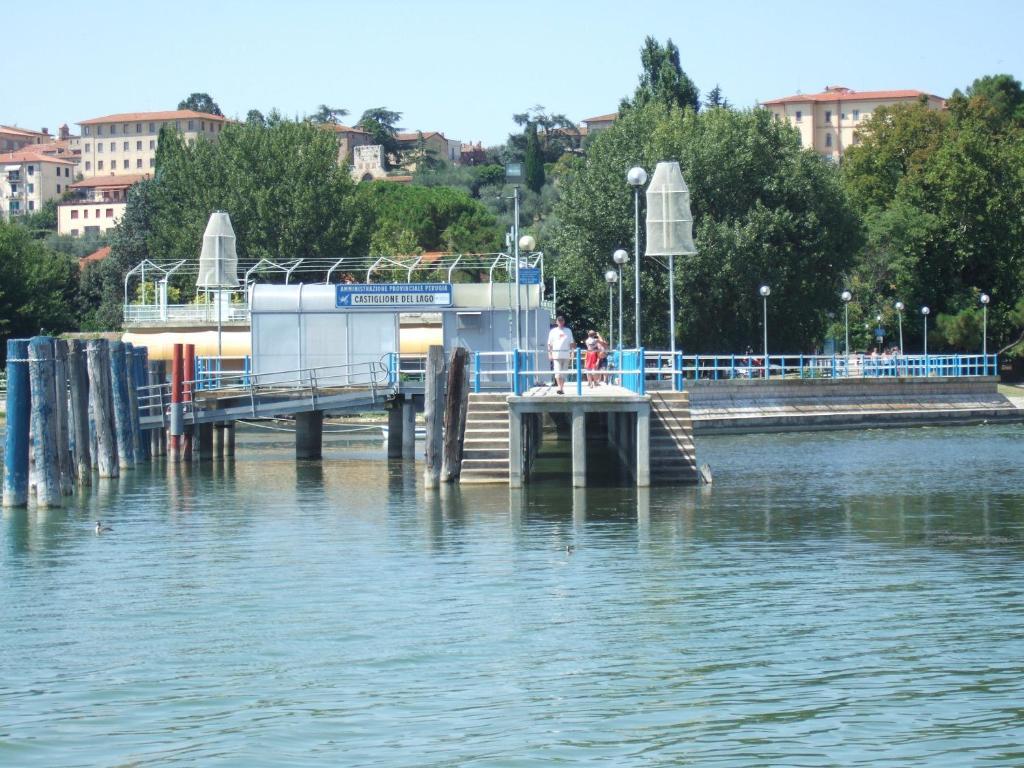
(515, 251)
(636, 258)
(611, 317)
(672, 306)
(847, 308)
(220, 350)
(926, 340)
(899, 316)
(984, 336)
(766, 334)
(620, 306)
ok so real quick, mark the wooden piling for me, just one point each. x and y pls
(122, 406)
(141, 369)
(434, 415)
(409, 429)
(229, 440)
(60, 412)
(45, 447)
(394, 429)
(131, 379)
(101, 404)
(19, 404)
(218, 441)
(456, 404)
(79, 429)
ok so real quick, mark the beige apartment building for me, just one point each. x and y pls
(125, 144)
(828, 121)
(97, 206)
(30, 178)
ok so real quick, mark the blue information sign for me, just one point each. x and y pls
(393, 296)
(529, 275)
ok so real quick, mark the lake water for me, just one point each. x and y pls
(836, 599)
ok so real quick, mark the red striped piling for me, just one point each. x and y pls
(177, 398)
(189, 381)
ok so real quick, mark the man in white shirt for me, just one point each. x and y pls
(560, 348)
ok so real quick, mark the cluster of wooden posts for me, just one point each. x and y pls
(72, 411)
(446, 402)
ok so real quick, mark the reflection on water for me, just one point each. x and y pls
(835, 598)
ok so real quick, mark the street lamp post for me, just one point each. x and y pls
(846, 296)
(636, 177)
(925, 311)
(765, 293)
(899, 305)
(984, 299)
(611, 277)
(620, 257)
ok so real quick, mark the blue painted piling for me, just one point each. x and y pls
(142, 380)
(60, 413)
(133, 401)
(101, 408)
(45, 448)
(121, 406)
(79, 429)
(18, 415)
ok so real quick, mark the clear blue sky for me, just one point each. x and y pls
(465, 67)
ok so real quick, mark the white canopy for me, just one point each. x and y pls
(669, 221)
(218, 262)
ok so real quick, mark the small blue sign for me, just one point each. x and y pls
(880, 332)
(393, 296)
(529, 275)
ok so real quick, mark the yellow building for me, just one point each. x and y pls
(828, 121)
(98, 205)
(29, 178)
(125, 144)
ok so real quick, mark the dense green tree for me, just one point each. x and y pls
(382, 125)
(556, 134)
(764, 210)
(255, 117)
(201, 102)
(662, 79)
(715, 99)
(44, 220)
(38, 287)
(533, 165)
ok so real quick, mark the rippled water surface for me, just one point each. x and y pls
(835, 599)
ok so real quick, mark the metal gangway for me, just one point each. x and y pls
(227, 397)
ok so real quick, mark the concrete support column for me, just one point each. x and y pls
(205, 441)
(309, 431)
(643, 447)
(229, 439)
(515, 449)
(395, 431)
(218, 440)
(408, 429)
(579, 448)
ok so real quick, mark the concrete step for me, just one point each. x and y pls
(483, 478)
(485, 453)
(479, 423)
(492, 465)
(486, 442)
(488, 408)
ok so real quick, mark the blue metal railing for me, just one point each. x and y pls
(210, 371)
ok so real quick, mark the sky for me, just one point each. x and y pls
(464, 68)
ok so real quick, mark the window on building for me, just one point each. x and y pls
(58, 189)
(113, 130)
(125, 146)
(152, 127)
(110, 213)
(138, 163)
(86, 130)
(152, 162)
(74, 214)
(88, 147)
(202, 125)
(138, 127)
(14, 206)
(828, 139)
(92, 230)
(799, 115)
(191, 125)
(31, 205)
(85, 213)
(842, 115)
(31, 188)
(113, 146)
(99, 166)
(856, 114)
(67, 172)
(828, 115)
(88, 165)
(138, 145)
(125, 164)
(99, 130)
(14, 189)
(31, 170)
(99, 146)
(856, 139)
(124, 129)
(74, 233)
(152, 144)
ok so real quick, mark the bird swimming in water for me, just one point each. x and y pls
(101, 528)
(570, 548)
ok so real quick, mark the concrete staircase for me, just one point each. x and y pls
(673, 455)
(485, 447)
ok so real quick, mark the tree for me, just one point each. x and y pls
(556, 133)
(381, 124)
(255, 117)
(764, 210)
(662, 79)
(325, 114)
(998, 100)
(201, 102)
(715, 99)
(38, 287)
(534, 164)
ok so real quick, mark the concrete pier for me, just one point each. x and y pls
(309, 430)
(395, 430)
(579, 447)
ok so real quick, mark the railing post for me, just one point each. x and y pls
(579, 374)
(515, 372)
(732, 366)
(833, 365)
(476, 371)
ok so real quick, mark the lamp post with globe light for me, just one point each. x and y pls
(611, 277)
(636, 177)
(925, 311)
(620, 257)
(900, 306)
(846, 296)
(984, 299)
(528, 244)
(765, 292)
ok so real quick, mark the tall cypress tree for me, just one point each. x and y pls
(534, 170)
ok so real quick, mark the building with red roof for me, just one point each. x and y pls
(828, 121)
(29, 178)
